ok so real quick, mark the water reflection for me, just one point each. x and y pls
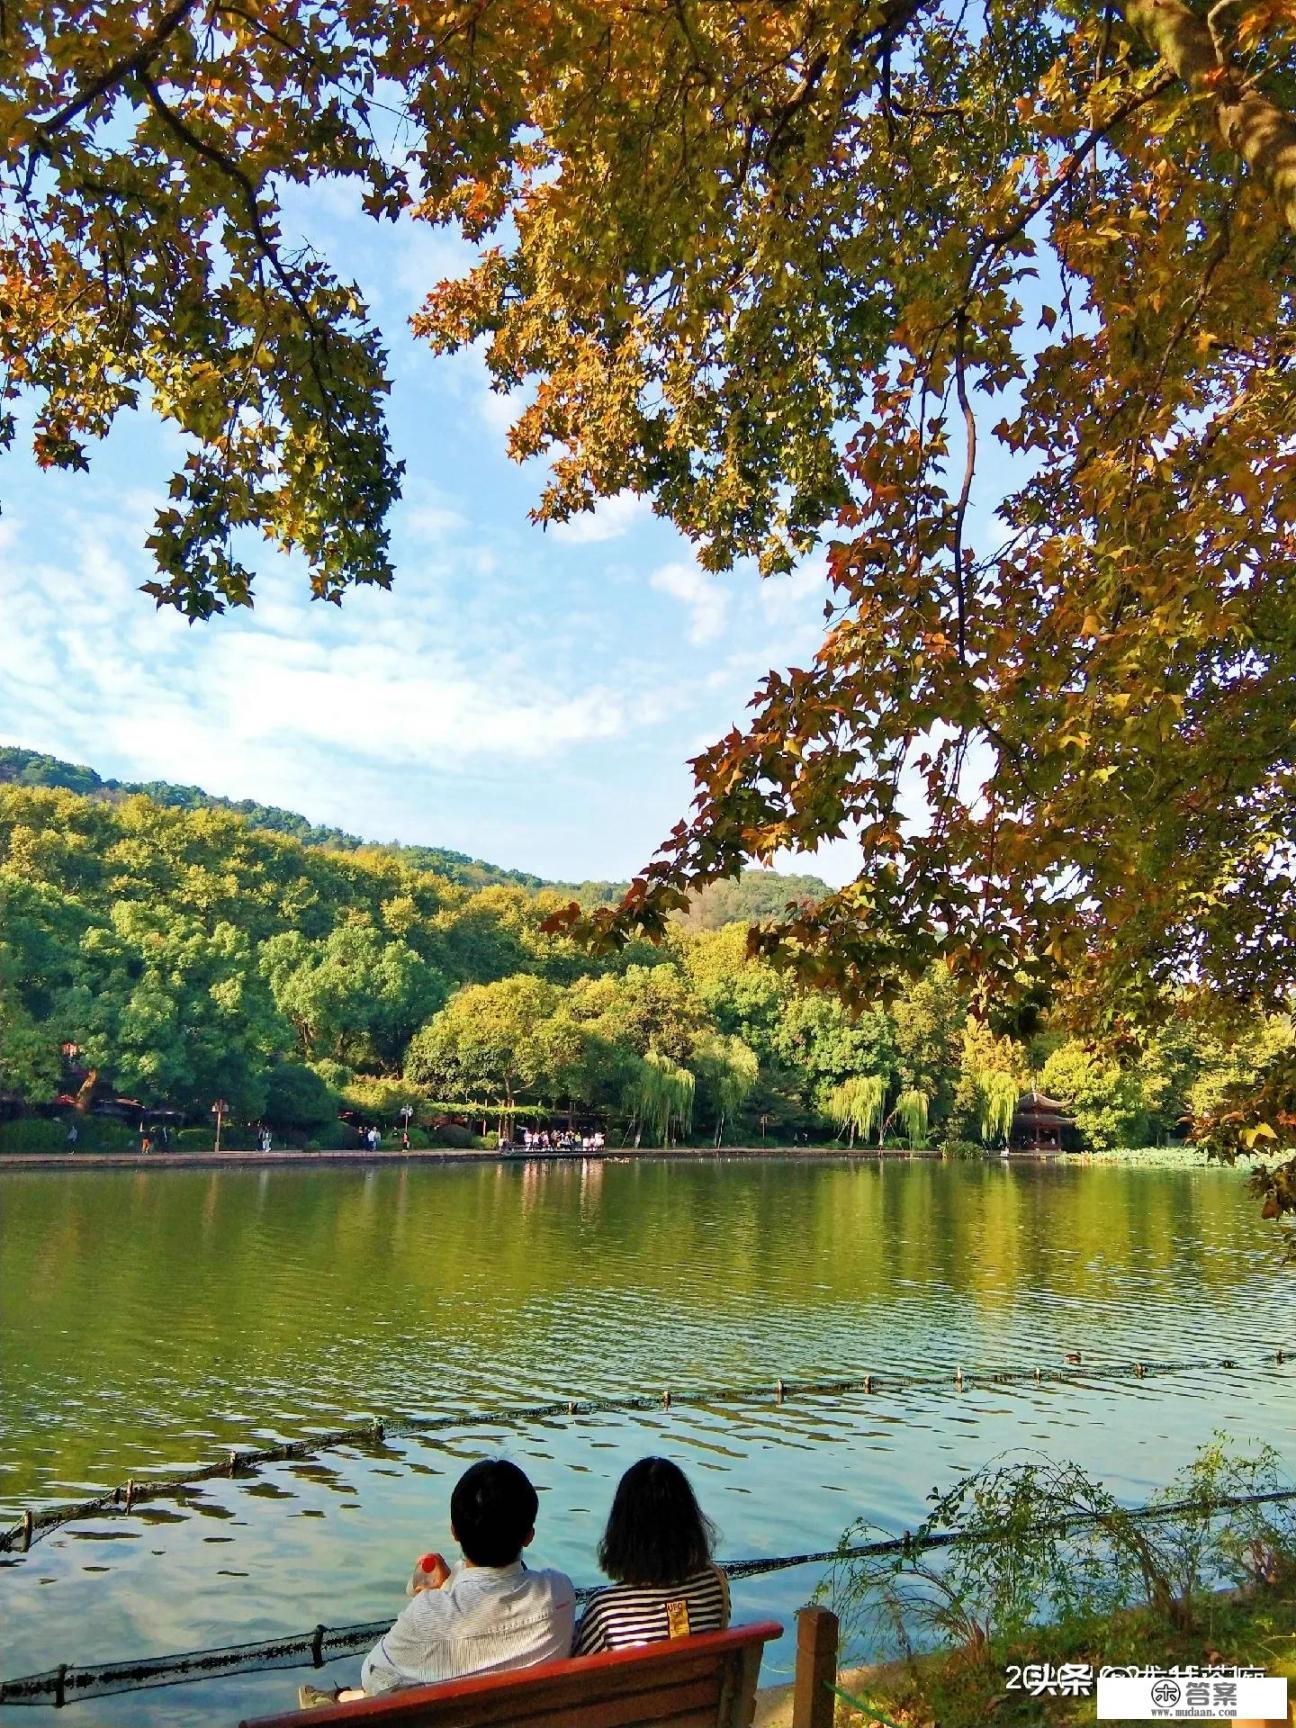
(154, 1316)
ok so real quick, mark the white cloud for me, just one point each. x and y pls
(425, 256)
(609, 520)
(835, 862)
(706, 601)
(500, 408)
(427, 515)
(798, 596)
(88, 665)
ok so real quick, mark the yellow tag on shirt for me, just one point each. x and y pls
(677, 1619)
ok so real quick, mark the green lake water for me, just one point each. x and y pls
(151, 1318)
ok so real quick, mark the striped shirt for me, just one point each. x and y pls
(627, 1614)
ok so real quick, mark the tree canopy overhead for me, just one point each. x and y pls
(995, 301)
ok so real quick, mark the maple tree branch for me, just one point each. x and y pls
(969, 469)
(1191, 312)
(232, 171)
(223, 9)
(994, 243)
(122, 69)
(1252, 126)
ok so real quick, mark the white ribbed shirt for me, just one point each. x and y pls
(484, 1618)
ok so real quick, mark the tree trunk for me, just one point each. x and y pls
(85, 1092)
(1250, 124)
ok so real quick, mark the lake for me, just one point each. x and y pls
(153, 1317)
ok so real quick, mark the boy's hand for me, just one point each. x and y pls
(430, 1573)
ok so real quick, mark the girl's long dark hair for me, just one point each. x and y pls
(656, 1531)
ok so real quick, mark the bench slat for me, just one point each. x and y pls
(594, 1709)
(705, 1681)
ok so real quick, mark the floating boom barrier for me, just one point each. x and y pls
(68, 1684)
(243, 1461)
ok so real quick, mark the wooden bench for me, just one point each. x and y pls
(706, 1681)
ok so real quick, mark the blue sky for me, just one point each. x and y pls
(527, 696)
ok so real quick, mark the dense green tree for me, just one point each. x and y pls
(190, 957)
(930, 1017)
(174, 1013)
(297, 1097)
(993, 1072)
(29, 1050)
(644, 1009)
(356, 996)
(858, 1105)
(725, 1071)
(749, 898)
(1107, 1099)
(504, 1042)
(745, 997)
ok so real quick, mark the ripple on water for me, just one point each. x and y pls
(192, 1311)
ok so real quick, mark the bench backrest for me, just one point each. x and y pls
(705, 1681)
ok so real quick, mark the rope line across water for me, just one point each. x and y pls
(240, 1461)
(67, 1684)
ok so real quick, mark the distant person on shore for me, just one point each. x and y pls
(657, 1549)
(375, 1139)
(487, 1614)
(73, 1136)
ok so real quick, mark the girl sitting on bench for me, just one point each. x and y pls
(657, 1549)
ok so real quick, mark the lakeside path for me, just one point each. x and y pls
(682, 1154)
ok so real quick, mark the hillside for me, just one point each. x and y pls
(759, 894)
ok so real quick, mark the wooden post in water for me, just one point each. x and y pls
(813, 1705)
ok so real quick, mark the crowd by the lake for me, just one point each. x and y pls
(553, 1140)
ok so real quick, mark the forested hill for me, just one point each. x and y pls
(29, 768)
(760, 893)
(184, 956)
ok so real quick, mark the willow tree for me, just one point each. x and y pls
(997, 1094)
(858, 1104)
(729, 1068)
(661, 1100)
(994, 303)
(911, 1113)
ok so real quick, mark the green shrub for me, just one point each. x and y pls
(962, 1149)
(196, 1139)
(298, 1098)
(453, 1134)
(33, 1134)
(50, 1134)
(336, 1136)
(487, 1142)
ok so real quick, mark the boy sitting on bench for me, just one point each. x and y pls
(488, 1613)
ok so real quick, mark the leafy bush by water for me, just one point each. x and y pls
(1034, 1542)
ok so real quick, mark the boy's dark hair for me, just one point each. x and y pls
(493, 1509)
(656, 1531)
